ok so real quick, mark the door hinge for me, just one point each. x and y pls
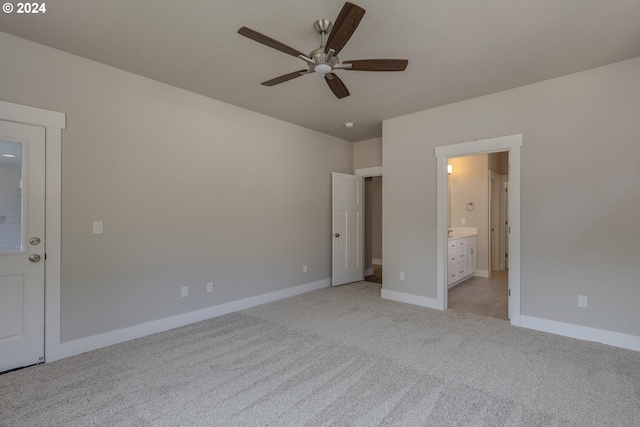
(509, 292)
(45, 256)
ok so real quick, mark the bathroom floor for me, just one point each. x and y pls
(483, 296)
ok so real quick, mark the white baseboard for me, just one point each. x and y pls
(481, 273)
(368, 271)
(410, 299)
(376, 261)
(95, 342)
(616, 339)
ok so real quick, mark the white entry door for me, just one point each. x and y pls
(348, 228)
(22, 204)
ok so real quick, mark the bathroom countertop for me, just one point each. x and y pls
(459, 232)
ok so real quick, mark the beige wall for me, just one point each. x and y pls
(190, 190)
(499, 163)
(580, 196)
(367, 153)
(469, 183)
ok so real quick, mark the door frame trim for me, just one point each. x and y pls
(53, 122)
(512, 144)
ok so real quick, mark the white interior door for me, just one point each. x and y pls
(348, 228)
(504, 207)
(22, 204)
(494, 242)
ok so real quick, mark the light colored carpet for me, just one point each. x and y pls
(337, 356)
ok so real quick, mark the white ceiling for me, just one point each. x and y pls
(456, 49)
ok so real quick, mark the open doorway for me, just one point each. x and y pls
(372, 223)
(373, 229)
(477, 281)
(512, 145)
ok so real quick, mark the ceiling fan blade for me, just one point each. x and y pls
(284, 78)
(268, 41)
(346, 23)
(377, 64)
(335, 84)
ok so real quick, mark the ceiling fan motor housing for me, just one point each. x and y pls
(320, 58)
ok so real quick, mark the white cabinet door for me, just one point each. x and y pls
(471, 259)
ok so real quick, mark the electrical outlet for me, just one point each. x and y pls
(210, 287)
(184, 291)
(582, 301)
(463, 220)
(402, 275)
(304, 268)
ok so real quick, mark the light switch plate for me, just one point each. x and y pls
(98, 227)
(583, 301)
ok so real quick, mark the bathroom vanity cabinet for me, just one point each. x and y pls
(461, 259)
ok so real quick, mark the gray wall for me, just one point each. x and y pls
(580, 192)
(367, 153)
(190, 190)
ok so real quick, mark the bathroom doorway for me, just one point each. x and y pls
(511, 144)
(477, 279)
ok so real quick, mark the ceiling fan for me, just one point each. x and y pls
(324, 60)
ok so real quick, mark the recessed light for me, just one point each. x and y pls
(8, 155)
(349, 125)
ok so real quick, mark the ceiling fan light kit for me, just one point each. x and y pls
(324, 60)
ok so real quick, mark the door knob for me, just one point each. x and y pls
(337, 235)
(34, 258)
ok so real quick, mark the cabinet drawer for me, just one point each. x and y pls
(462, 271)
(452, 257)
(452, 274)
(453, 244)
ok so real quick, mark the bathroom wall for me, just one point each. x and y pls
(469, 183)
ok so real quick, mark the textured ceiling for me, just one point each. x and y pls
(456, 49)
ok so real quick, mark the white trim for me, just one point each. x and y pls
(95, 342)
(410, 299)
(376, 261)
(617, 339)
(481, 273)
(491, 145)
(368, 272)
(367, 172)
(53, 215)
(31, 116)
(512, 144)
(53, 122)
